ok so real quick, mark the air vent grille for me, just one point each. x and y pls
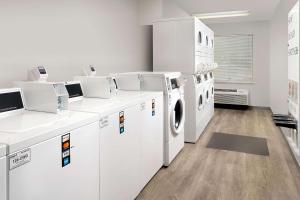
(239, 97)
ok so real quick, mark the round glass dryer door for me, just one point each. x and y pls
(177, 117)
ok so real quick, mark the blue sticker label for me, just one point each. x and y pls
(66, 161)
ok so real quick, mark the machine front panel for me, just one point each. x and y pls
(152, 139)
(120, 155)
(44, 176)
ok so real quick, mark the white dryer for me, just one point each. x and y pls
(48, 155)
(194, 94)
(131, 140)
(171, 83)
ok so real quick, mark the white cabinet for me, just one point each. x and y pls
(45, 177)
(184, 44)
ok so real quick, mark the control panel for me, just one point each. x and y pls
(38, 74)
(89, 70)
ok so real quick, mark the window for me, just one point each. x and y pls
(234, 55)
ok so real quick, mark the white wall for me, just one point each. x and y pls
(279, 57)
(170, 9)
(260, 89)
(65, 35)
(153, 10)
(149, 10)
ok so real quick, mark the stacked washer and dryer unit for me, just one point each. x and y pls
(187, 45)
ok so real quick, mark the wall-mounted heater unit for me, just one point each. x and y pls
(235, 97)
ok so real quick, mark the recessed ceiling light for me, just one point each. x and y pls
(223, 14)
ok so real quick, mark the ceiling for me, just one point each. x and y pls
(259, 9)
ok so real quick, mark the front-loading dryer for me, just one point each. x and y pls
(171, 83)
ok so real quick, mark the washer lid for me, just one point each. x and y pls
(29, 128)
(105, 106)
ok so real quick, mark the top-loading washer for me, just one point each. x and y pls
(171, 83)
(194, 94)
(131, 139)
(48, 155)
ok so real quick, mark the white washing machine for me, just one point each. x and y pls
(131, 140)
(3, 172)
(49, 156)
(194, 94)
(171, 83)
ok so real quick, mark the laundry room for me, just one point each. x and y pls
(149, 100)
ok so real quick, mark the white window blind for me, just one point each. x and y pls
(234, 55)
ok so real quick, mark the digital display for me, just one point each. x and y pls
(174, 84)
(93, 69)
(42, 70)
(74, 90)
(10, 101)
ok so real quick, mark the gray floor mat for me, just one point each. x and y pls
(239, 143)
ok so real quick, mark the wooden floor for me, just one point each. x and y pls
(207, 174)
